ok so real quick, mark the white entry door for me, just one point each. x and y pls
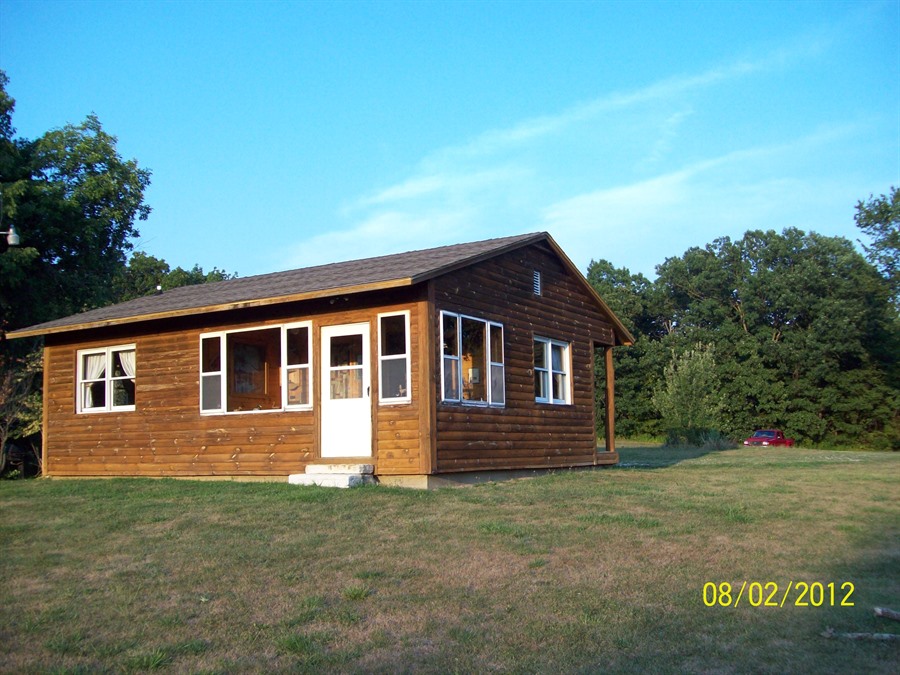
(346, 396)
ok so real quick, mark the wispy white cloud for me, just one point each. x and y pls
(520, 178)
(451, 182)
(532, 129)
(640, 223)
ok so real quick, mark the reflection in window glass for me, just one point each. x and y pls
(211, 392)
(473, 370)
(473, 360)
(298, 346)
(393, 358)
(253, 359)
(211, 361)
(346, 350)
(297, 366)
(106, 380)
(451, 379)
(346, 383)
(393, 335)
(551, 371)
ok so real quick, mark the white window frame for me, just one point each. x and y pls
(107, 379)
(547, 368)
(395, 400)
(285, 367)
(488, 359)
(222, 373)
(214, 373)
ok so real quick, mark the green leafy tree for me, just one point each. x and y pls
(630, 297)
(801, 324)
(74, 202)
(145, 273)
(879, 218)
(688, 398)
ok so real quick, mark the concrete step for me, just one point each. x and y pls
(341, 468)
(335, 475)
(337, 480)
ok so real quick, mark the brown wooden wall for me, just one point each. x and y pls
(167, 436)
(522, 434)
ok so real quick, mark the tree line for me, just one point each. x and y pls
(75, 203)
(792, 330)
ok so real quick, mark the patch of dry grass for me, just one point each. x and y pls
(575, 571)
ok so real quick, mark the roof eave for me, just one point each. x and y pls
(224, 307)
(623, 335)
(487, 255)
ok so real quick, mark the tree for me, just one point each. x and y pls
(631, 298)
(144, 273)
(800, 323)
(688, 398)
(879, 218)
(802, 327)
(20, 401)
(74, 202)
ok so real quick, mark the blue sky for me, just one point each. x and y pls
(285, 134)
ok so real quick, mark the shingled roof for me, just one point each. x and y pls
(390, 271)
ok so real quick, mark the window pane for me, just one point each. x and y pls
(496, 344)
(541, 383)
(540, 358)
(498, 386)
(559, 386)
(450, 341)
(298, 386)
(211, 392)
(253, 362)
(211, 361)
(123, 392)
(558, 360)
(346, 383)
(451, 379)
(393, 335)
(123, 363)
(93, 367)
(346, 350)
(94, 395)
(473, 360)
(393, 378)
(298, 346)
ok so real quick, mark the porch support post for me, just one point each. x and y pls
(45, 413)
(610, 400)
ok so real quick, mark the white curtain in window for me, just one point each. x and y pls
(127, 361)
(94, 368)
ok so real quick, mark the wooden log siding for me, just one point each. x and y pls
(167, 436)
(523, 433)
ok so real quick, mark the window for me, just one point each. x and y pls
(256, 370)
(472, 358)
(298, 369)
(551, 371)
(393, 358)
(537, 282)
(106, 379)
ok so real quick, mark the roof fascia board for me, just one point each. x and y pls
(623, 333)
(261, 302)
(487, 255)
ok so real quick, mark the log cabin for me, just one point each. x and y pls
(476, 357)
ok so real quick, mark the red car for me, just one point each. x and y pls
(769, 437)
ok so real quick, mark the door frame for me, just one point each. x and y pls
(353, 436)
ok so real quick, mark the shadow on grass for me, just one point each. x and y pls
(657, 457)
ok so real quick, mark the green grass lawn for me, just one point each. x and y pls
(579, 571)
